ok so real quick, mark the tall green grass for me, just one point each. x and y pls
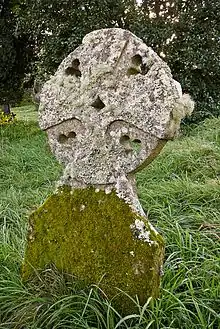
(180, 192)
(26, 112)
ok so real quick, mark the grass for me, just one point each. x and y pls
(26, 113)
(180, 192)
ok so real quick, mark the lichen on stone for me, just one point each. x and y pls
(90, 234)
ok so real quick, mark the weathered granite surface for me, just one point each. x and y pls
(110, 107)
(108, 111)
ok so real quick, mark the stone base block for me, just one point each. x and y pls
(98, 238)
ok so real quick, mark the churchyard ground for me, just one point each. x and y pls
(180, 191)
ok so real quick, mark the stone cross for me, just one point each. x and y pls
(108, 111)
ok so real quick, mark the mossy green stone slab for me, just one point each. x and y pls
(90, 234)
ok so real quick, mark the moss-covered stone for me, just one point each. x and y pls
(90, 235)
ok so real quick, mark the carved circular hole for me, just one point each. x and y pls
(62, 138)
(137, 66)
(72, 134)
(124, 140)
(130, 145)
(74, 68)
(137, 141)
(136, 60)
(75, 63)
(98, 104)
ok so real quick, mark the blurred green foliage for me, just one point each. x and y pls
(185, 33)
(13, 54)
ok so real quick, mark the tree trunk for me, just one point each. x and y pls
(6, 109)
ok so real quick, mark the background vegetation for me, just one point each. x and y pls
(180, 192)
(35, 36)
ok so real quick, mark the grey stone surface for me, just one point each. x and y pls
(109, 109)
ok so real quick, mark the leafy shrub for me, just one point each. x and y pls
(7, 118)
(187, 37)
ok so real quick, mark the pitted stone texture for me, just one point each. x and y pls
(109, 108)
